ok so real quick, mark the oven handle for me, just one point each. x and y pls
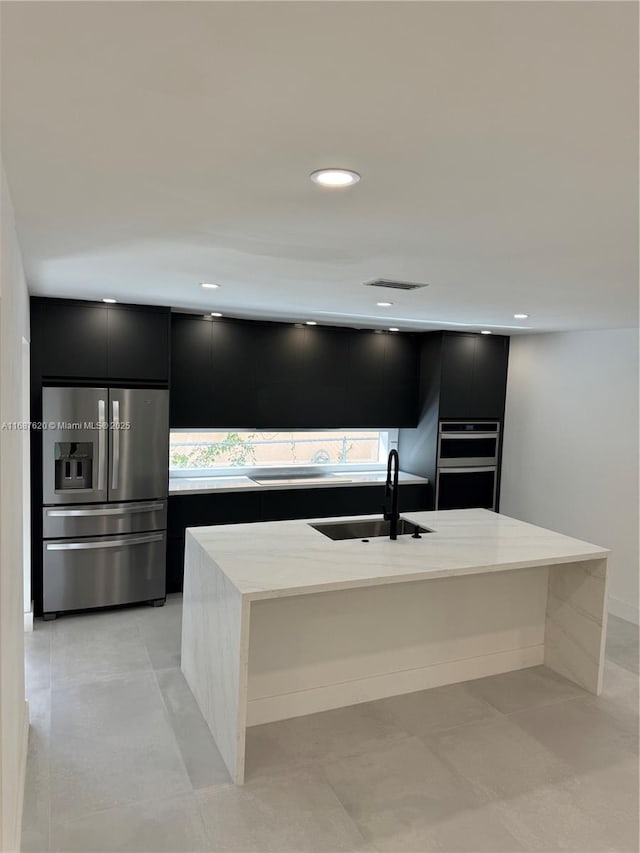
(112, 510)
(469, 470)
(454, 436)
(107, 543)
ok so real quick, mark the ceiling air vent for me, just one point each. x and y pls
(394, 285)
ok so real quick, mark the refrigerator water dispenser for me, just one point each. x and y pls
(74, 465)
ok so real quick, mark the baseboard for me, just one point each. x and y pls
(623, 610)
(267, 709)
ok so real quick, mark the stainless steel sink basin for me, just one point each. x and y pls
(367, 529)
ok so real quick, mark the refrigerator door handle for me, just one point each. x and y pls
(115, 462)
(112, 510)
(102, 435)
(107, 543)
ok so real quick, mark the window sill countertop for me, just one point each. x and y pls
(241, 483)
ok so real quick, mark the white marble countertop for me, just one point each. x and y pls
(203, 485)
(282, 558)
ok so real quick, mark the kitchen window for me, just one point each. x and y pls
(213, 452)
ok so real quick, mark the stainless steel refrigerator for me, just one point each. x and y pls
(105, 478)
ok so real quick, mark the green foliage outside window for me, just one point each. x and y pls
(236, 450)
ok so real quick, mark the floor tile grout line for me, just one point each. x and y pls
(336, 796)
(167, 716)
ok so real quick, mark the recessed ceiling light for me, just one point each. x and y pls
(520, 316)
(216, 314)
(108, 299)
(393, 329)
(335, 178)
(384, 304)
(311, 323)
(485, 332)
(209, 286)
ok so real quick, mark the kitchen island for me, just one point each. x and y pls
(279, 620)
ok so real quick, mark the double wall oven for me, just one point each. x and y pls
(104, 514)
(467, 464)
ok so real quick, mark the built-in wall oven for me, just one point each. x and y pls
(467, 464)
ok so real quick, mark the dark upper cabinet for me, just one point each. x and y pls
(283, 353)
(456, 377)
(105, 343)
(490, 376)
(401, 359)
(473, 375)
(232, 374)
(192, 392)
(367, 359)
(227, 373)
(138, 344)
(69, 339)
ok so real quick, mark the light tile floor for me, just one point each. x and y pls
(120, 758)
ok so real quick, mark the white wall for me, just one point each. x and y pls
(14, 480)
(570, 458)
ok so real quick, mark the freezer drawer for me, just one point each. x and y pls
(86, 573)
(103, 519)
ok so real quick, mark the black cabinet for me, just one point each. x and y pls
(473, 377)
(456, 378)
(138, 344)
(463, 376)
(490, 376)
(191, 400)
(206, 509)
(321, 503)
(232, 374)
(103, 343)
(69, 339)
(228, 373)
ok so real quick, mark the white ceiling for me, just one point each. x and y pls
(152, 146)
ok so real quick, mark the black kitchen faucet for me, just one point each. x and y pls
(391, 512)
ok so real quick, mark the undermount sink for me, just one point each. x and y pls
(368, 529)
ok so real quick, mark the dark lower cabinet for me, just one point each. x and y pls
(202, 510)
(318, 503)
(273, 505)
